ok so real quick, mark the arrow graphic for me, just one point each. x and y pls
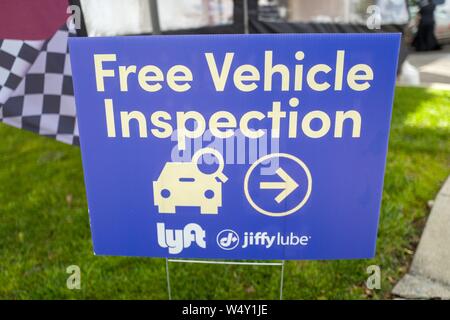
(288, 184)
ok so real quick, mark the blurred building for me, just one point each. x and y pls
(336, 11)
(119, 17)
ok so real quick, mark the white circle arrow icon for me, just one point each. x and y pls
(288, 185)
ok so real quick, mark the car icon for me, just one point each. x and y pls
(182, 184)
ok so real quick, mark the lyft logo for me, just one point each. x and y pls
(178, 239)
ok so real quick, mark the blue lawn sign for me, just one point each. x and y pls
(235, 146)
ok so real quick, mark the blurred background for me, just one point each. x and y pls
(275, 16)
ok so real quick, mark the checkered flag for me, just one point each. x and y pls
(16, 57)
(36, 90)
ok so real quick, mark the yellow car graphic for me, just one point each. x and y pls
(182, 184)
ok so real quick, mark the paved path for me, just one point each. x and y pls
(429, 275)
(433, 66)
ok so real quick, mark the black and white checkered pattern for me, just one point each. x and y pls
(43, 101)
(16, 57)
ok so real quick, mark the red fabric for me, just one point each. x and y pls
(31, 19)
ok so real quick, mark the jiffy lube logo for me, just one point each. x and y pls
(229, 239)
(235, 146)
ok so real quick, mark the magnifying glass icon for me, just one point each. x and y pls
(219, 172)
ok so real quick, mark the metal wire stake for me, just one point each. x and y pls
(282, 280)
(224, 263)
(168, 279)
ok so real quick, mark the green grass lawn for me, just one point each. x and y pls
(44, 224)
